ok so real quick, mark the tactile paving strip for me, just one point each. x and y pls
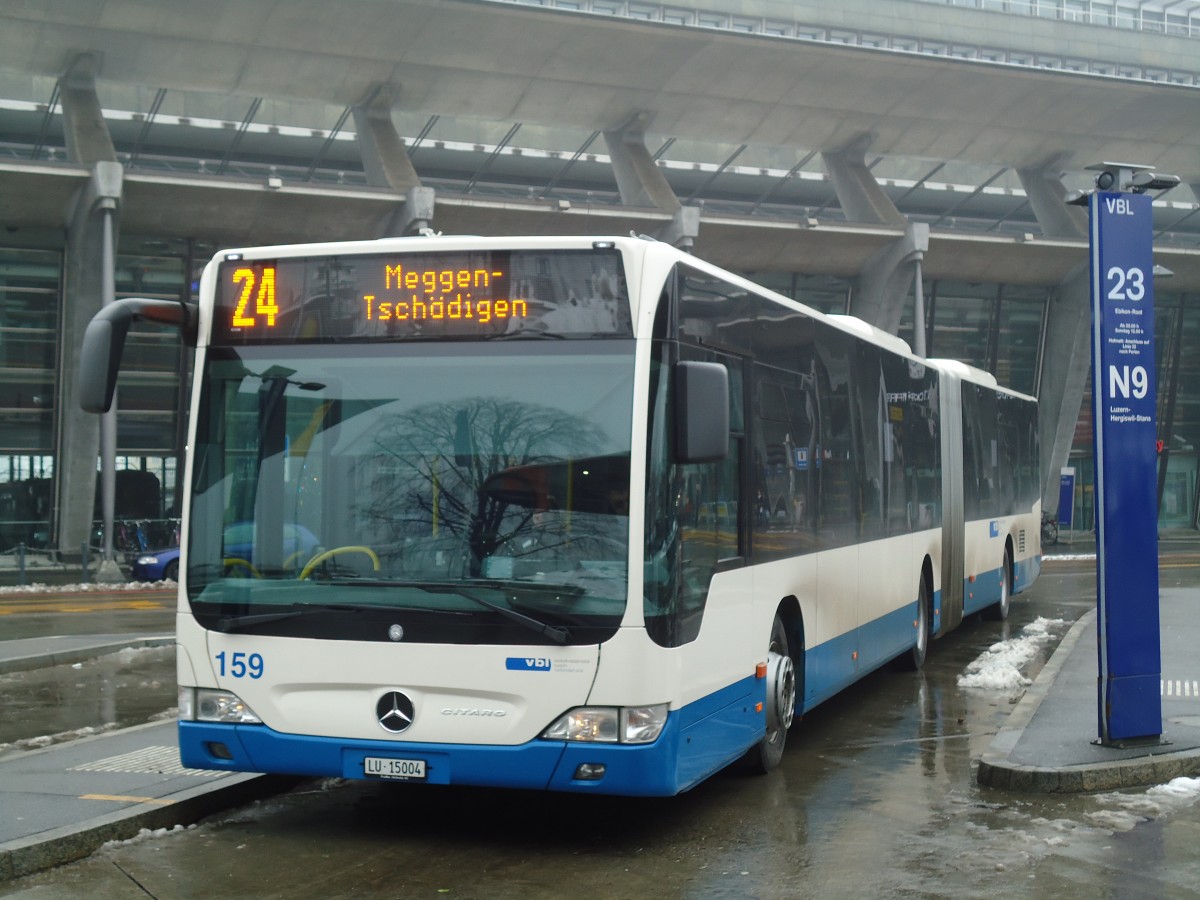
(154, 760)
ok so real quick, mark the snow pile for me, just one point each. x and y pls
(146, 834)
(1177, 792)
(999, 669)
(132, 586)
(1160, 800)
(131, 656)
(47, 740)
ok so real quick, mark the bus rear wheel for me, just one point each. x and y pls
(998, 611)
(915, 658)
(781, 701)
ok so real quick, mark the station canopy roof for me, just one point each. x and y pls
(502, 108)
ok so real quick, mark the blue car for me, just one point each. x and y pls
(163, 565)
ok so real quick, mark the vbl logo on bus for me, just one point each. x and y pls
(527, 664)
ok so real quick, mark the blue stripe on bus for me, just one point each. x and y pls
(982, 592)
(1026, 572)
(698, 740)
(839, 662)
(985, 589)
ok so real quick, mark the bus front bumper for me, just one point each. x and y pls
(654, 769)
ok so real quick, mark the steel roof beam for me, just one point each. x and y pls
(566, 167)
(496, 151)
(147, 123)
(246, 122)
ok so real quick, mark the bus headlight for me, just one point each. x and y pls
(642, 724)
(609, 724)
(204, 705)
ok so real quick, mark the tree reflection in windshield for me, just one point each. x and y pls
(496, 488)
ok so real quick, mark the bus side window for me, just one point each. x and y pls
(714, 491)
(785, 468)
(693, 517)
(837, 514)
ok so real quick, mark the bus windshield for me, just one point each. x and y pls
(479, 488)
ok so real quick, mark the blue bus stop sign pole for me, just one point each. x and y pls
(1066, 498)
(1123, 406)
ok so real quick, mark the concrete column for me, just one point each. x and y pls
(1048, 197)
(412, 216)
(1067, 354)
(91, 213)
(85, 130)
(883, 286)
(683, 228)
(860, 196)
(641, 183)
(888, 278)
(638, 177)
(88, 282)
(387, 164)
(1066, 361)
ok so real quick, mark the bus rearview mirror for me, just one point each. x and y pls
(104, 341)
(701, 411)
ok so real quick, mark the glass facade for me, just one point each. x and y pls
(30, 282)
(1177, 327)
(150, 393)
(995, 327)
(29, 291)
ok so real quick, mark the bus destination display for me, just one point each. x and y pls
(426, 296)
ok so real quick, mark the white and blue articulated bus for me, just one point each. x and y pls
(578, 514)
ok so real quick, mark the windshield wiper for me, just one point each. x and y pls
(532, 587)
(556, 633)
(229, 624)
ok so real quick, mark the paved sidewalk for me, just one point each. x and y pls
(1048, 744)
(33, 653)
(62, 802)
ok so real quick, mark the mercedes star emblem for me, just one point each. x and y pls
(395, 712)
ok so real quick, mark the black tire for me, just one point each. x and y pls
(781, 702)
(915, 658)
(998, 611)
(171, 572)
(1049, 530)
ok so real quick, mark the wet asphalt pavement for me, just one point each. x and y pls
(876, 796)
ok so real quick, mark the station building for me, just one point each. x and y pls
(907, 161)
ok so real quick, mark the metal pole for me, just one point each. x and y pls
(108, 571)
(918, 313)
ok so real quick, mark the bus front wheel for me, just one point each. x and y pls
(781, 701)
